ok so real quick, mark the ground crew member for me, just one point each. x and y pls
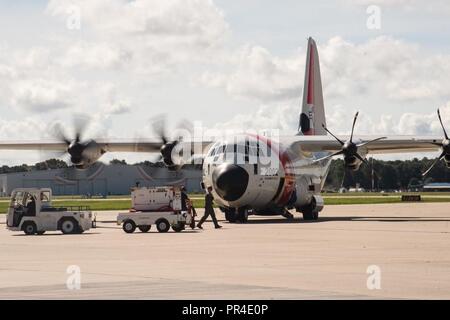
(209, 210)
(184, 199)
(31, 207)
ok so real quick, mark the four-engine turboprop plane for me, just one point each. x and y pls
(259, 174)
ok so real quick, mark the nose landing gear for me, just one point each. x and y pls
(236, 215)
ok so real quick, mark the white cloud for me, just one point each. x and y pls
(383, 67)
(259, 75)
(284, 117)
(95, 55)
(40, 95)
(120, 107)
(339, 120)
(194, 20)
(155, 35)
(22, 129)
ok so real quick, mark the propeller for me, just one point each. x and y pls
(349, 148)
(76, 146)
(445, 146)
(159, 125)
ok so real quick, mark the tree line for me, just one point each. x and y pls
(386, 175)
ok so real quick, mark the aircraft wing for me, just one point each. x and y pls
(39, 145)
(114, 145)
(149, 146)
(391, 144)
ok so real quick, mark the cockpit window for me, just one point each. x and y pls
(247, 151)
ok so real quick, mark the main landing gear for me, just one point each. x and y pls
(311, 211)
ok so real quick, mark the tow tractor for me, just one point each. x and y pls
(31, 211)
(160, 206)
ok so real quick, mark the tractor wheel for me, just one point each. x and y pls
(69, 226)
(29, 228)
(162, 225)
(129, 226)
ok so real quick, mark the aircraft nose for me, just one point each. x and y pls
(230, 181)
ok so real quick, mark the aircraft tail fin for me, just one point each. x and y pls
(312, 116)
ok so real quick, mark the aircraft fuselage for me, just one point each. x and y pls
(263, 174)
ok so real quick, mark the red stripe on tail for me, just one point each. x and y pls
(310, 98)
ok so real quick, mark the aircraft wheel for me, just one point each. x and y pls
(242, 215)
(310, 215)
(230, 216)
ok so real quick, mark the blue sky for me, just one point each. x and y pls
(225, 63)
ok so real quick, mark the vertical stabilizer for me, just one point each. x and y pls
(313, 112)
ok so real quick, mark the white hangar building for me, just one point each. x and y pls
(100, 179)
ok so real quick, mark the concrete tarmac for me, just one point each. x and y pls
(266, 258)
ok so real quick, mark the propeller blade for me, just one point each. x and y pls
(434, 163)
(158, 124)
(370, 141)
(185, 126)
(339, 140)
(440, 120)
(80, 123)
(353, 126)
(58, 132)
(329, 156)
(361, 158)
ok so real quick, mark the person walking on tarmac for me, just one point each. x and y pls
(209, 210)
(184, 199)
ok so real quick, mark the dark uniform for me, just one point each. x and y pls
(209, 211)
(184, 199)
(31, 207)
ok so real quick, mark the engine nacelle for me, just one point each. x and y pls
(352, 162)
(175, 154)
(166, 153)
(83, 155)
